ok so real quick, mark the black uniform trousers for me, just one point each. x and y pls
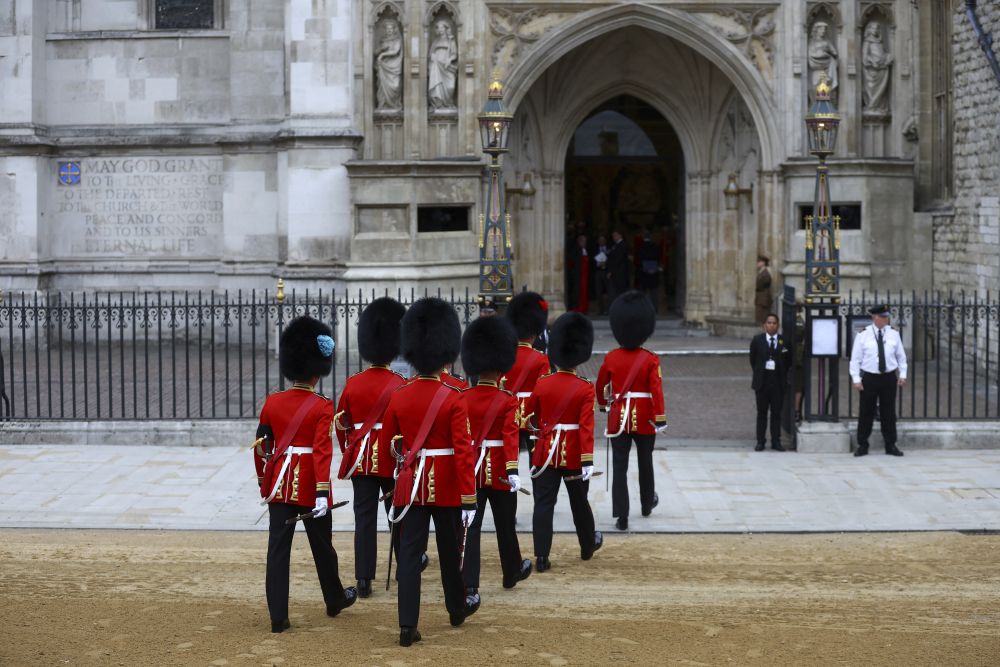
(279, 551)
(879, 388)
(620, 448)
(413, 536)
(504, 506)
(770, 397)
(546, 489)
(367, 489)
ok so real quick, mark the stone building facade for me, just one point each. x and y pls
(223, 143)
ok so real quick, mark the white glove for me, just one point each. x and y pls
(586, 473)
(322, 505)
(515, 483)
(467, 517)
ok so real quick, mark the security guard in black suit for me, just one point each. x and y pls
(770, 360)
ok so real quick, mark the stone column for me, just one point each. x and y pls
(697, 297)
(24, 169)
(313, 187)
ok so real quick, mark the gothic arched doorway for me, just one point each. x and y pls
(624, 174)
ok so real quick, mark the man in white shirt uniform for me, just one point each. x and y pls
(876, 357)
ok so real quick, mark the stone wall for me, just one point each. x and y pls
(967, 246)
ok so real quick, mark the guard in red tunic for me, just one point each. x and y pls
(527, 311)
(367, 461)
(428, 426)
(292, 455)
(488, 350)
(562, 409)
(630, 388)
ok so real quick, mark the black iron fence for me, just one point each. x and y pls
(158, 356)
(951, 342)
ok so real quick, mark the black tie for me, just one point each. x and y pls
(881, 352)
(773, 348)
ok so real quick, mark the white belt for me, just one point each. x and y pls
(483, 446)
(637, 394)
(523, 394)
(364, 446)
(628, 396)
(418, 478)
(284, 468)
(559, 429)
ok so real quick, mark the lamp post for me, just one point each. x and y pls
(496, 284)
(822, 265)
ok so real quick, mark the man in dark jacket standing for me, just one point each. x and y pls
(770, 360)
(617, 266)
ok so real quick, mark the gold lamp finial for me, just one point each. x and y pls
(279, 294)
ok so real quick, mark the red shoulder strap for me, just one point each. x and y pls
(293, 426)
(632, 374)
(425, 425)
(491, 416)
(378, 409)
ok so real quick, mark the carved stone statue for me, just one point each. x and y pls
(876, 66)
(822, 57)
(442, 67)
(389, 67)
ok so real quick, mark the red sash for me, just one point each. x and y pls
(272, 464)
(404, 482)
(629, 379)
(356, 436)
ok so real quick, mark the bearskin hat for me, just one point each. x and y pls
(528, 312)
(378, 330)
(431, 335)
(305, 350)
(632, 319)
(489, 345)
(571, 341)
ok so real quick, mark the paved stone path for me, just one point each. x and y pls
(700, 491)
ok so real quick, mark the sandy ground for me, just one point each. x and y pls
(196, 598)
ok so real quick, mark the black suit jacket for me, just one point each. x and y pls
(759, 354)
(617, 265)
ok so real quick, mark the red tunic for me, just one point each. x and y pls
(307, 474)
(358, 399)
(520, 380)
(454, 381)
(500, 457)
(631, 414)
(574, 446)
(447, 480)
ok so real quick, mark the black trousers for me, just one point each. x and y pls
(620, 448)
(279, 551)
(504, 506)
(413, 535)
(546, 490)
(879, 388)
(367, 490)
(770, 397)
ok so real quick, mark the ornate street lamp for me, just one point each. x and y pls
(496, 284)
(822, 229)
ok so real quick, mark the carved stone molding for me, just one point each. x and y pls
(751, 29)
(515, 31)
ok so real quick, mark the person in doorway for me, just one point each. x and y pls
(601, 275)
(762, 299)
(581, 259)
(292, 456)
(876, 358)
(650, 268)
(630, 388)
(617, 266)
(770, 360)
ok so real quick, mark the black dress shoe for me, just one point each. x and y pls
(759, 447)
(424, 561)
(893, 451)
(280, 626)
(350, 597)
(778, 448)
(364, 588)
(407, 636)
(522, 574)
(621, 523)
(542, 564)
(861, 451)
(472, 603)
(587, 554)
(646, 511)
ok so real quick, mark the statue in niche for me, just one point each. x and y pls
(876, 66)
(389, 67)
(442, 67)
(822, 57)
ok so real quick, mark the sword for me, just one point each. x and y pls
(461, 551)
(521, 489)
(573, 478)
(398, 455)
(312, 514)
